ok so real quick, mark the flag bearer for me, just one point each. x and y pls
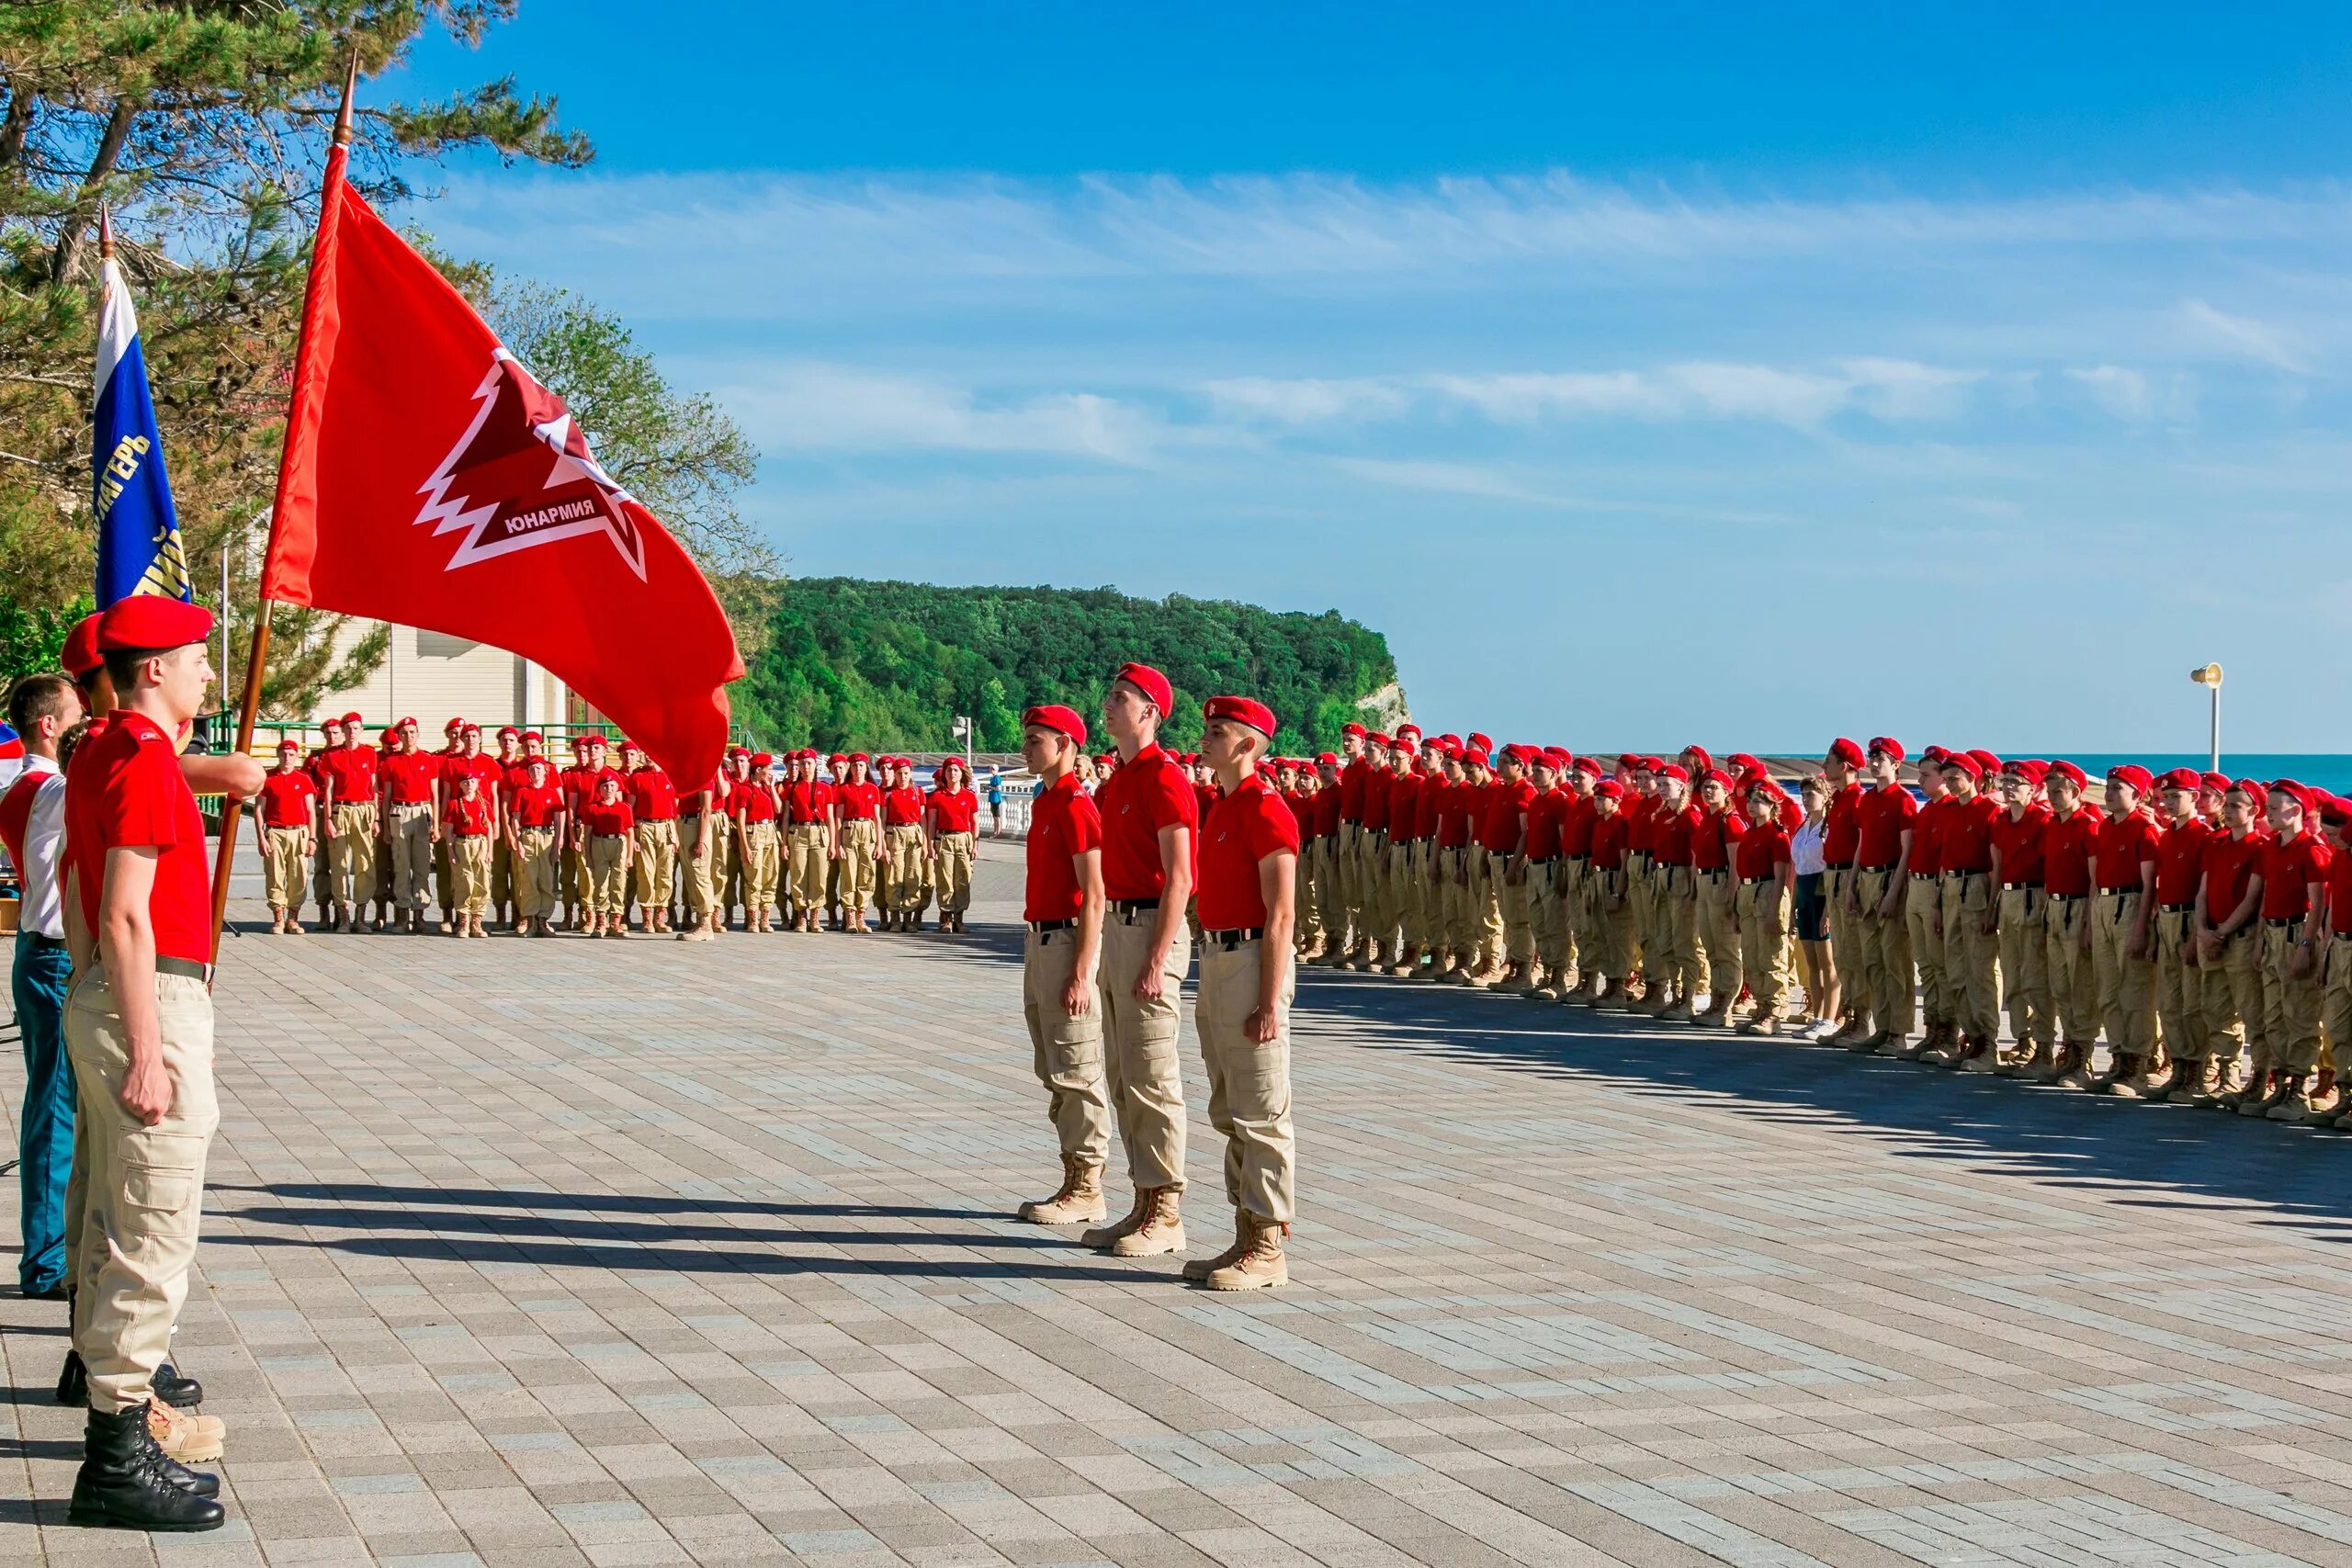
(1242, 1008)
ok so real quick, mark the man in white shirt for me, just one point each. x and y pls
(42, 709)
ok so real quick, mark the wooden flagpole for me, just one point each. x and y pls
(232, 808)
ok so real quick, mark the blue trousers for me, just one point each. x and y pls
(45, 1130)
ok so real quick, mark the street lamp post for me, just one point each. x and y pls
(2209, 677)
(962, 730)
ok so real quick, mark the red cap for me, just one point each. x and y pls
(1986, 761)
(2252, 789)
(1150, 683)
(2215, 782)
(2180, 778)
(1716, 776)
(1242, 710)
(1550, 761)
(2302, 794)
(1412, 729)
(1630, 761)
(1589, 765)
(506, 729)
(1887, 744)
(455, 725)
(1608, 789)
(1482, 742)
(2062, 769)
(405, 723)
(151, 620)
(1935, 754)
(1672, 771)
(1475, 757)
(82, 655)
(2028, 770)
(763, 760)
(1705, 761)
(351, 717)
(1965, 764)
(1742, 763)
(2131, 773)
(531, 735)
(1373, 737)
(470, 729)
(2333, 809)
(1053, 716)
(1327, 759)
(1847, 752)
(1352, 728)
(287, 743)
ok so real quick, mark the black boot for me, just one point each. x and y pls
(127, 1482)
(74, 1382)
(175, 1388)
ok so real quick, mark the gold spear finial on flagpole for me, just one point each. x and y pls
(105, 233)
(350, 91)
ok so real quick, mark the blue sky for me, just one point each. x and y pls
(1749, 373)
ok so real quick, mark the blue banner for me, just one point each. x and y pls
(139, 530)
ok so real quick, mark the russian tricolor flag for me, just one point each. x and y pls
(139, 530)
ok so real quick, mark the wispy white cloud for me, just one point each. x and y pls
(1882, 388)
(814, 406)
(2242, 336)
(1305, 401)
(1449, 478)
(2137, 396)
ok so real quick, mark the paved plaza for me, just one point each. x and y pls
(602, 1252)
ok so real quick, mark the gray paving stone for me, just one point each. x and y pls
(648, 1252)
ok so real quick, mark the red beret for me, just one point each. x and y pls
(1671, 771)
(2131, 773)
(1716, 776)
(1630, 761)
(1744, 762)
(1327, 759)
(1985, 761)
(455, 725)
(151, 620)
(1887, 745)
(1589, 765)
(1406, 744)
(1482, 742)
(1475, 757)
(1373, 737)
(82, 655)
(1150, 683)
(2251, 788)
(836, 757)
(506, 729)
(1053, 716)
(1608, 789)
(470, 729)
(1705, 761)
(2299, 794)
(287, 743)
(1965, 764)
(2216, 782)
(1550, 761)
(1352, 728)
(1935, 754)
(737, 750)
(535, 734)
(2333, 809)
(1243, 710)
(2028, 770)
(1847, 751)
(1412, 729)
(2179, 778)
(763, 760)
(2062, 769)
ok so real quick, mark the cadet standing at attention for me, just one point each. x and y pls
(1149, 833)
(513, 775)
(1878, 891)
(951, 819)
(1241, 1010)
(755, 806)
(701, 833)
(605, 824)
(468, 824)
(902, 848)
(653, 801)
(408, 778)
(289, 797)
(535, 826)
(1062, 908)
(859, 853)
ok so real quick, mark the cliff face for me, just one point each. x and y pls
(892, 665)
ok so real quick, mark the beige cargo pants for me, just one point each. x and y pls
(1248, 1083)
(1067, 1052)
(1140, 1067)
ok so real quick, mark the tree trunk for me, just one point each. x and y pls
(19, 121)
(66, 260)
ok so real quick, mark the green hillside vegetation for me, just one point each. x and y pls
(891, 664)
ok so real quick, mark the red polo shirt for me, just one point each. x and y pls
(409, 777)
(1452, 815)
(752, 801)
(1926, 837)
(535, 805)
(1063, 824)
(953, 810)
(652, 794)
(1326, 808)
(1545, 815)
(2019, 840)
(1670, 834)
(1879, 817)
(902, 807)
(1142, 797)
(2180, 861)
(1352, 788)
(2288, 870)
(1244, 828)
(1964, 836)
(1498, 827)
(1713, 839)
(2066, 848)
(131, 796)
(2123, 843)
(1760, 849)
(286, 799)
(1577, 821)
(858, 802)
(470, 818)
(1841, 827)
(1379, 792)
(2228, 866)
(605, 818)
(1609, 841)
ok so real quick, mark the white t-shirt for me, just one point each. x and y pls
(1804, 849)
(44, 907)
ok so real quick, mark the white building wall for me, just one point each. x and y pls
(433, 677)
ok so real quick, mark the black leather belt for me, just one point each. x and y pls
(1752, 881)
(1042, 927)
(1228, 941)
(2177, 908)
(1134, 905)
(2284, 920)
(1717, 874)
(1888, 866)
(1924, 875)
(2029, 882)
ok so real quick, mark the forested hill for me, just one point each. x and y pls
(890, 664)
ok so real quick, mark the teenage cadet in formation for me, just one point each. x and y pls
(700, 836)
(1764, 895)
(349, 790)
(2294, 883)
(288, 802)
(860, 850)
(951, 821)
(2020, 919)
(1062, 908)
(1968, 916)
(1884, 819)
(2123, 868)
(604, 831)
(902, 848)
(2180, 861)
(512, 774)
(1241, 1010)
(406, 806)
(138, 1029)
(534, 827)
(653, 803)
(2067, 844)
(755, 806)
(811, 829)
(469, 824)
(1149, 827)
(2229, 947)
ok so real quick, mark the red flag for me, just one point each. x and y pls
(429, 479)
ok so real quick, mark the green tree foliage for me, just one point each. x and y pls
(891, 664)
(205, 124)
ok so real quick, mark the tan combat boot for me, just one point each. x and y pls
(1101, 1236)
(1261, 1266)
(1161, 1229)
(187, 1437)
(1079, 1202)
(1200, 1268)
(2200, 1081)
